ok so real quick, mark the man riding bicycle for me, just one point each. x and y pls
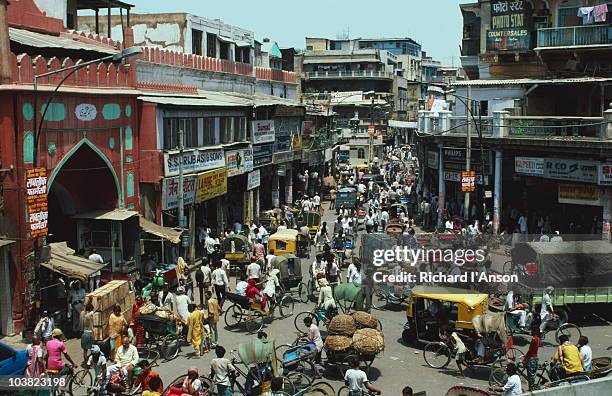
(55, 349)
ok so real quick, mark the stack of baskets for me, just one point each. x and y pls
(358, 331)
(368, 341)
(365, 320)
(342, 327)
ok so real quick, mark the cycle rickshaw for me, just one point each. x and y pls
(290, 276)
(161, 332)
(237, 251)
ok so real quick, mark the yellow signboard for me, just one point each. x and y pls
(211, 184)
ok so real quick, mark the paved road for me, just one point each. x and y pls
(398, 365)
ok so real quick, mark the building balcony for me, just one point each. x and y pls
(574, 36)
(353, 74)
(503, 125)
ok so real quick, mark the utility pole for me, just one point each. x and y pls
(371, 137)
(468, 151)
(181, 200)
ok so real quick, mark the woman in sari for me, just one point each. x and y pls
(254, 295)
(195, 326)
(136, 325)
(36, 366)
(116, 327)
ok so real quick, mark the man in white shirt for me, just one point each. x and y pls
(242, 285)
(318, 266)
(271, 284)
(127, 357)
(586, 354)
(253, 271)
(305, 204)
(557, 237)
(522, 222)
(361, 188)
(221, 369)
(95, 257)
(314, 335)
(384, 219)
(356, 379)
(182, 303)
(352, 268)
(513, 385)
(317, 201)
(264, 235)
(511, 307)
(220, 283)
(546, 310)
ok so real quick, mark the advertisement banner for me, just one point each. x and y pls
(211, 185)
(456, 177)
(570, 170)
(263, 131)
(254, 179)
(510, 26)
(38, 206)
(194, 161)
(468, 181)
(170, 191)
(433, 159)
(529, 166)
(239, 161)
(579, 194)
(262, 154)
(279, 158)
(604, 174)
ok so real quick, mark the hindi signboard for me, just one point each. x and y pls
(604, 174)
(253, 179)
(529, 166)
(194, 161)
(510, 26)
(262, 131)
(170, 191)
(211, 184)
(38, 206)
(468, 181)
(579, 194)
(570, 170)
(239, 161)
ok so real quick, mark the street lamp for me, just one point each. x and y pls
(478, 125)
(124, 54)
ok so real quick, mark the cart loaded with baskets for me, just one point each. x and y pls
(161, 331)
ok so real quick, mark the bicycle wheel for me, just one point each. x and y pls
(286, 306)
(379, 301)
(498, 377)
(171, 345)
(79, 383)
(233, 316)
(507, 268)
(253, 321)
(570, 330)
(150, 354)
(303, 293)
(344, 391)
(321, 389)
(514, 355)
(301, 381)
(437, 355)
(298, 322)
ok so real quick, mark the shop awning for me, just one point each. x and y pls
(167, 233)
(5, 242)
(63, 261)
(115, 215)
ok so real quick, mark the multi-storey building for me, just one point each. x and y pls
(537, 106)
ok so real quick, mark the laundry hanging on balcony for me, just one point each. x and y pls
(587, 15)
(601, 12)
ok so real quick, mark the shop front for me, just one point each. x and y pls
(238, 209)
(263, 136)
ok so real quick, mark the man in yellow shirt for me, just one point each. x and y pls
(567, 361)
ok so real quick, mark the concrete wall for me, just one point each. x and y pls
(209, 81)
(275, 88)
(490, 94)
(53, 8)
(600, 387)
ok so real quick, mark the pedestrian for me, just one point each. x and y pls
(459, 351)
(259, 250)
(136, 325)
(220, 283)
(44, 327)
(531, 359)
(369, 221)
(264, 235)
(35, 365)
(221, 370)
(585, 353)
(356, 379)
(203, 278)
(253, 271)
(513, 385)
(214, 312)
(117, 326)
(546, 311)
(195, 325)
(313, 335)
(407, 391)
(76, 302)
(87, 338)
(182, 303)
(167, 298)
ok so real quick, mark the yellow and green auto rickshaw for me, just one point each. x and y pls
(237, 251)
(312, 220)
(283, 242)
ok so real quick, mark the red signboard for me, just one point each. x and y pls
(36, 197)
(468, 181)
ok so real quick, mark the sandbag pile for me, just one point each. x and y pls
(343, 325)
(368, 341)
(365, 320)
(338, 343)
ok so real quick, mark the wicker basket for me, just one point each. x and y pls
(342, 325)
(368, 341)
(338, 343)
(365, 320)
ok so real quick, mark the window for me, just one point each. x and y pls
(227, 130)
(309, 48)
(361, 153)
(210, 138)
(240, 132)
(196, 42)
(224, 51)
(172, 126)
(211, 45)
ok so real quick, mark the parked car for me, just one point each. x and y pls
(12, 362)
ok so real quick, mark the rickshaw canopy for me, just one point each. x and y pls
(239, 239)
(346, 291)
(281, 263)
(459, 296)
(312, 219)
(258, 352)
(284, 235)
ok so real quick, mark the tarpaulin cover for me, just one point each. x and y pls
(257, 351)
(492, 323)
(566, 264)
(63, 260)
(346, 291)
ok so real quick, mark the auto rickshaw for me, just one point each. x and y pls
(283, 242)
(303, 242)
(290, 276)
(395, 209)
(429, 307)
(394, 228)
(237, 251)
(313, 221)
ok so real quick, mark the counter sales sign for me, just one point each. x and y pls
(262, 131)
(239, 161)
(38, 207)
(509, 26)
(194, 161)
(529, 165)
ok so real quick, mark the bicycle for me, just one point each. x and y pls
(498, 377)
(344, 391)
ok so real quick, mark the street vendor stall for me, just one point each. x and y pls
(114, 234)
(157, 240)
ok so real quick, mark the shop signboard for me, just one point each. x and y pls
(194, 161)
(307, 128)
(579, 194)
(262, 131)
(38, 206)
(316, 158)
(468, 181)
(170, 191)
(456, 177)
(604, 174)
(457, 155)
(570, 170)
(433, 159)
(253, 179)
(297, 155)
(211, 185)
(510, 26)
(529, 166)
(262, 154)
(239, 161)
(279, 158)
